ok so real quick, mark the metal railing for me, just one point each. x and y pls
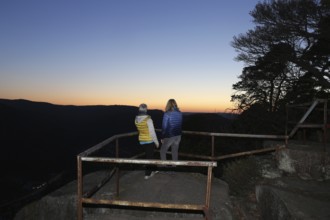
(214, 157)
(85, 198)
(318, 105)
(193, 207)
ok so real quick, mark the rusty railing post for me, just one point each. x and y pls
(212, 154)
(117, 168)
(80, 189)
(208, 193)
(325, 121)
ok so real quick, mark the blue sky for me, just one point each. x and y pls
(124, 52)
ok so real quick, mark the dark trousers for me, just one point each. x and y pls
(149, 151)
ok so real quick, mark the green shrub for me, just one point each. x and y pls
(241, 175)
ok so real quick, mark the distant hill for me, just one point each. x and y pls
(208, 122)
(36, 132)
(42, 133)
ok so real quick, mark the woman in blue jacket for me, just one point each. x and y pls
(171, 130)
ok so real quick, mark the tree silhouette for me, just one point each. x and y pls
(289, 46)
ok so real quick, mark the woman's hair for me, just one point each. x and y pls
(171, 104)
(143, 108)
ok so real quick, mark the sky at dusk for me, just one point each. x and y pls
(122, 52)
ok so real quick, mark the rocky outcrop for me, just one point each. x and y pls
(176, 187)
(295, 185)
(293, 198)
(303, 189)
(307, 160)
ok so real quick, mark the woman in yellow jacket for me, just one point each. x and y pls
(147, 137)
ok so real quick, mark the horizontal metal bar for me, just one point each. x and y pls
(308, 103)
(105, 142)
(152, 162)
(236, 135)
(143, 204)
(233, 135)
(311, 126)
(248, 152)
(304, 108)
(196, 156)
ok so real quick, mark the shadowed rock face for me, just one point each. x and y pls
(309, 161)
(293, 198)
(304, 193)
(175, 187)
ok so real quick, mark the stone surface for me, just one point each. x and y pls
(60, 204)
(309, 160)
(175, 187)
(302, 191)
(294, 198)
(295, 185)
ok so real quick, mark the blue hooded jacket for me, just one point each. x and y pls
(172, 124)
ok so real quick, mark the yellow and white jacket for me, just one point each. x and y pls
(146, 130)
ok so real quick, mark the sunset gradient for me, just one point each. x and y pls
(122, 52)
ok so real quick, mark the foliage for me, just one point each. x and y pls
(241, 175)
(287, 54)
(196, 145)
(208, 122)
(257, 120)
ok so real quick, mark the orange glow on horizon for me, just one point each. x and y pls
(206, 106)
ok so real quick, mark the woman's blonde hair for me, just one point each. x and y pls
(171, 104)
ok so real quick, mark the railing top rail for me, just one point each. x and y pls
(151, 162)
(236, 135)
(107, 141)
(307, 104)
